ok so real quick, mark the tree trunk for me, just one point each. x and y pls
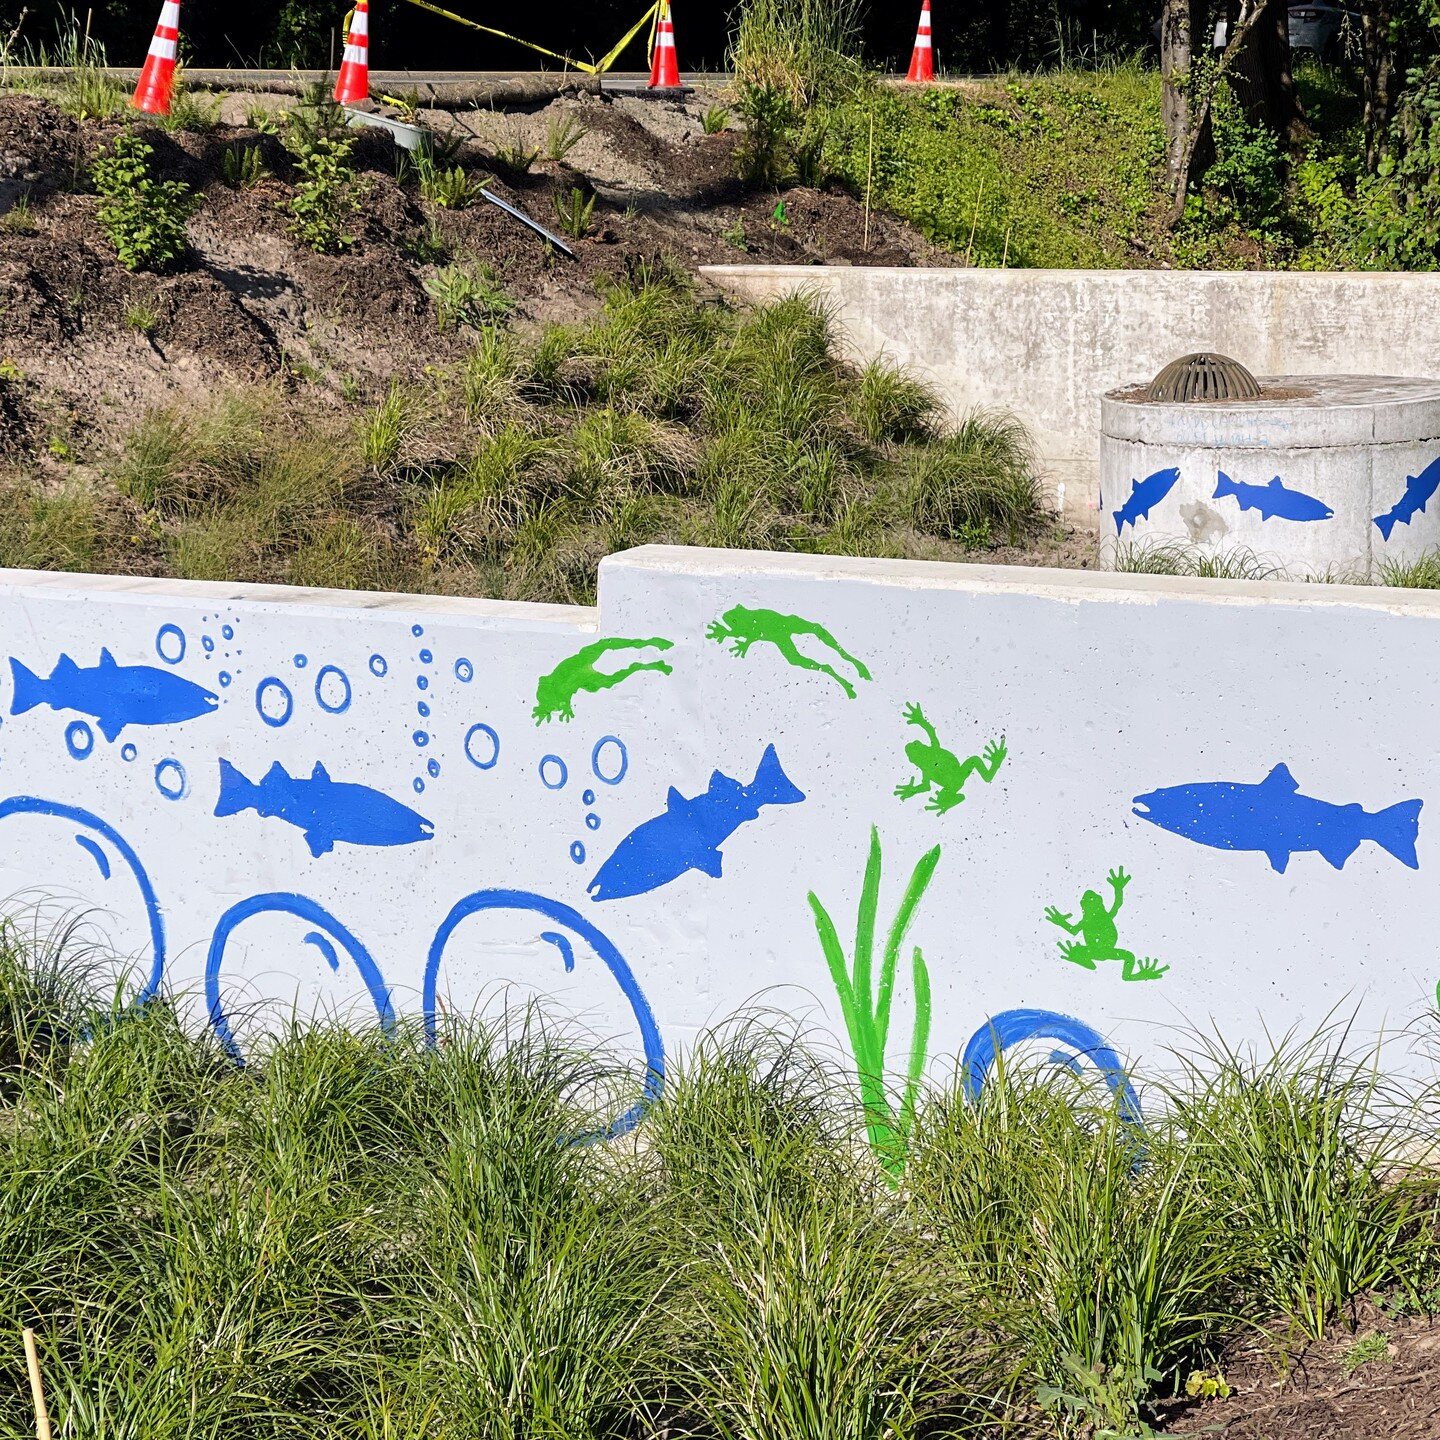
(1261, 78)
(1178, 23)
(1382, 74)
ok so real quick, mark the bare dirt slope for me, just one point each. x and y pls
(89, 345)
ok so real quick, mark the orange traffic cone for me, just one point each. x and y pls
(664, 69)
(353, 86)
(922, 58)
(157, 79)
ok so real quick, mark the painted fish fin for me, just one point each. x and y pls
(110, 727)
(1385, 524)
(1276, 484)
(674, 799)
(319, 772)
(107, 660)
(1224, 486)
(319, 844)
(29, 688)
(709, 861)
(64, 666)
(276, 772)
(236, 792)
(1396, 829)
(1280, 778)
(1339, 847)
(1278, 859)
(772, 786)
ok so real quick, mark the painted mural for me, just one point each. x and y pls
(424, 809)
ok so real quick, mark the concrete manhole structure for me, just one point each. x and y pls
(1315, 475)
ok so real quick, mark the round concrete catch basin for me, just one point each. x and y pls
(1318, 476)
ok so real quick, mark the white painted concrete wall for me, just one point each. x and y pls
(1105, 688)
(1046, 344)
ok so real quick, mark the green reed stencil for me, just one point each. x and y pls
(1098, 933)
(866, 1004)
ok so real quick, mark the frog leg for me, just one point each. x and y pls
(1076, 952)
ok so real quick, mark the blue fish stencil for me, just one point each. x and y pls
(1275, 819)
(328, 811)
(114, 695)
(1144, 496)
(1273, 501)
(688, 834)
(1419, 490)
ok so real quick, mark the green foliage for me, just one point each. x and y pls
(562, 135)
(715, 120)
(765, 156)
(804, 50)
(573, 209)
(142, 316)
(19, 219)
(468, 295)
(1367, 1350)
(448, 186)
(92, 93)
(516, 157)
(243, 167)
(1248, 172)
(327, 196)
(144, 217)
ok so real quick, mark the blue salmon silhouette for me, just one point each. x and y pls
(1273, 501)
(328, 811)
(688, 834)
(115, 695)
(1419, 489)
(1274, 818)
(1144, 496)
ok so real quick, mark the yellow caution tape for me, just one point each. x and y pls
(598, 68)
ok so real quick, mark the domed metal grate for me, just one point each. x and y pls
(1203, 377)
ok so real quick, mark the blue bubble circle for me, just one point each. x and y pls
(486, 734)
(426, 657)
(171, 781)
(432, 769)
(592, 821)
(421, 738)
(417, 630)
(423, 710)
(225, 678)
(79, 739)
(128, 752)
(553, 761)
(273, 686)
(332, 690)
(464, 671)
(207, 644)
(422, 683)
(379, 666)
(170, 632)
(577, 853)
(228, 631)
(619, 774)
(419, 785)
(301, 661)
(588, 798)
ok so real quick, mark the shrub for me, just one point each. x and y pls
(574, 209)
(326, 197)
(243, 167)
(144, 217)
(562, 135)
(468, 295)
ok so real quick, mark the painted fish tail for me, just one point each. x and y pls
(772, 786)
(1385, 523)
(1224, 486)
(236, 792)
(1396, 829)
(29, 688)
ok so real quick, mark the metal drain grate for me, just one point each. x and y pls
(1203, 376)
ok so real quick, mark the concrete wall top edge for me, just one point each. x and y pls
(1016, 276)
(1073, 586)
(485, 613)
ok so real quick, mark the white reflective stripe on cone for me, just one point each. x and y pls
(162, 49)
(170, 15)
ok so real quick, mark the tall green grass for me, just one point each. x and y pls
(359, 1236)
(665, 418)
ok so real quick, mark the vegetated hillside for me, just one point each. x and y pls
(326, 363)
(1067, 170)
(358, 1235)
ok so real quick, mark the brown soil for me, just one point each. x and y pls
(1327, 1390)
(97, 344)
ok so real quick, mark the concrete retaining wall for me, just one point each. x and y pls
(1047, 344)
(406, 804)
